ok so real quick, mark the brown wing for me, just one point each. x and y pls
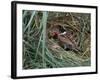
(64, 40)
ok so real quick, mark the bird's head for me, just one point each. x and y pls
(54, 34)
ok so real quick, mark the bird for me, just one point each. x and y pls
(65, 41)
(64, 37)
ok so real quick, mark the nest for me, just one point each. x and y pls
(73, 25)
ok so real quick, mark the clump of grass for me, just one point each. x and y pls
(38, 51)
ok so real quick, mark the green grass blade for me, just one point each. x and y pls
(29, 23)
(45, 15)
